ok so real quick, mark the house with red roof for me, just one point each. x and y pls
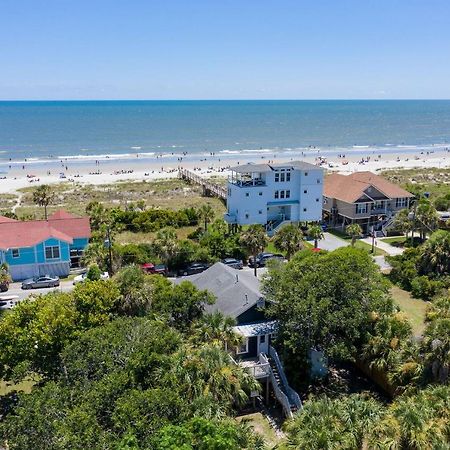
(43, 247)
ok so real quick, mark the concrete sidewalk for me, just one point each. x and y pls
(388, 248)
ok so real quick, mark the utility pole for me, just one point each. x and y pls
(108, 243)
(373, 239)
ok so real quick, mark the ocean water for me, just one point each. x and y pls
(120, 129)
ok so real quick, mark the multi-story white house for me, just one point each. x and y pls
(271, 194)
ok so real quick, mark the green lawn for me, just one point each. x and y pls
(260, 426)
(414, 308)
(394, 240)
(358, 244)
(25, 386)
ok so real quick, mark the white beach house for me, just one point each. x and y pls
(272, 194)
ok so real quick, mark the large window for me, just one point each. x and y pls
(288, 176)
(243, 348)
(277, 177)
(52, 252)
(401, 202)
(277, 194)
(288, 194)
(361, 208)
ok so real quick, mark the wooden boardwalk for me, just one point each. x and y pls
(209, 188)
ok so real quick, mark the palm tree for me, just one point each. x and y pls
(289, 239)
(166, 244)
(217, 329)
(354, 230)
(206, 212)
(255, 240)
(403, 223)
(427, 217)
(43, 196)
(436, 253)
(315, 232)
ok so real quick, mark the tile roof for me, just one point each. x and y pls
(62, 214)
(350, 188)
(16, 233)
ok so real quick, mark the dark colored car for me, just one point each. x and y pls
(152, 269)
(193, 268)
(232, 262)
(40, 282)
(4, 286)
(262, 258)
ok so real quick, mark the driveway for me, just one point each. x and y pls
(15, 289)
(331, 242)
(388, 248)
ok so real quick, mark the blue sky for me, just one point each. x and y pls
(224, 49)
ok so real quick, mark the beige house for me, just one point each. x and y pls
(364, 198)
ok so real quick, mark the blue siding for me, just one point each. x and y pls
(26, 256)
(31, 255)
(79, 243)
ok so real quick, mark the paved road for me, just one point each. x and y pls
(388, 248)
(15, 289)
(331, 242)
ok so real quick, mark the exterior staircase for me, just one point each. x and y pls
(274, 225)
(289, 399)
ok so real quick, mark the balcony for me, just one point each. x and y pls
(258, 367)
(254, 182)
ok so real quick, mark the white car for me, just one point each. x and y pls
(83, 277)
(8, 301)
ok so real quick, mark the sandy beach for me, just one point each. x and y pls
(106, 170)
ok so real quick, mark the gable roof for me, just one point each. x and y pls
(235, 291)
(25, 234)
(252, 168)
(65, 227)
(4, 219)
(350, 188)
(62, 214)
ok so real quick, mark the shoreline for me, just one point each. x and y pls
(107, 170)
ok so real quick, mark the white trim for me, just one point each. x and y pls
(52, 246)
(238, 352)
(18, 252)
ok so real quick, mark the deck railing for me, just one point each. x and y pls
(208, 186)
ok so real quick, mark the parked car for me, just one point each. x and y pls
(232, 262)
(193, 269)
(262, 258)
(8, 301)
(4, 286)
(83, 277)
(155, 269)
(40, 282)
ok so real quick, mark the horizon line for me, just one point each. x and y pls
(222, 99)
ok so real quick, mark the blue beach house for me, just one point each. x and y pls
(43, 247)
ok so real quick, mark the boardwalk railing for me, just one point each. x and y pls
(209, 188)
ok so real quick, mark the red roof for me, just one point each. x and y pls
(15, 234)
(4, 219)
(62, 214)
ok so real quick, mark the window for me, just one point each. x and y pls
(260, 211)
(247, 194)
(260, 193)
(361, 208)
(52, 252)
(277, 194)
(262, 339)
(288, 194)
(282, 175)
(288, 176)
(229, 192)
(281, 194)
(305, 191)
(306, 174)
(317, 200)
(318, 180)
(400, 202)
(15, 252)
(243, 348)
(277, 177)
(246, 215)
(304, 209)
